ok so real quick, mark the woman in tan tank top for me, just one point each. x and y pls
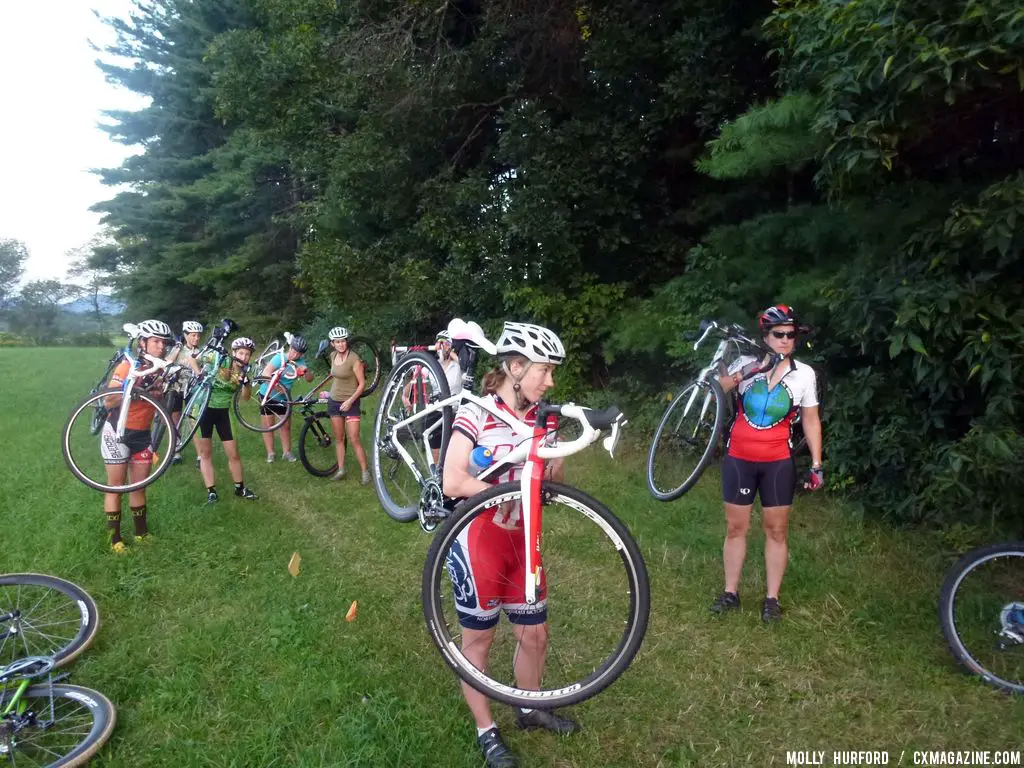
(343, 405)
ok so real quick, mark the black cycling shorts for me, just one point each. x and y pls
(273, 408)
(742, 480)
(175, 401)
(434, 438)
(219, 418)
(334, 410)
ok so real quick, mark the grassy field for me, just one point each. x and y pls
(214, 655)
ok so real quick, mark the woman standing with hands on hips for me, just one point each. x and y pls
(774, 395)
(343, 404)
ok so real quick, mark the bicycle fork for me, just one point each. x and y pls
(533, 511)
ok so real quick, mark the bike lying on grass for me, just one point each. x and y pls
(43, 721)
(690, 434)
(981, 611)
(588, 574)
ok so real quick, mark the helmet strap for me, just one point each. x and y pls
(521, 401)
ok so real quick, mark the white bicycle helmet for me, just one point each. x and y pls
(149, 329)
(243, 342)
(444, 336)
(338, 332)
(191, 326)
(533, 342)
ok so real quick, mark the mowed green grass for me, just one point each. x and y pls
(215, 655)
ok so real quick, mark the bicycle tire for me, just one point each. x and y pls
(370, 356)
(952, 584)
(317, 430)
(156, 470)
(100, 413)
(387, 463)
(251, 419)
(440, 571)
(654, 485)
(67, 699)
(35, 597)
(196, 403)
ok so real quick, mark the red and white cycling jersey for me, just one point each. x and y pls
(487, 564)
(491, 432)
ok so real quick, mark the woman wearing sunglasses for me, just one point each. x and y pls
(759, 458)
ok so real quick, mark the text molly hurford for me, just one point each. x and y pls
(916, 757)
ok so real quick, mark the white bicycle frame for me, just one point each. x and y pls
(723, 346)
(533, 460)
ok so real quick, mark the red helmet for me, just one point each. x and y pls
(780, 314)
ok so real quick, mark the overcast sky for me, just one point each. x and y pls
(51, 97)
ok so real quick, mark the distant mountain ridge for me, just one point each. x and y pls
(108, 306)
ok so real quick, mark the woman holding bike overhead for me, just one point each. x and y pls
(297, 347)
(228, 378)
(774, 395)
(492, 545)
(134, 455)
(343, 404)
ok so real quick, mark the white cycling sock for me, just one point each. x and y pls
(481, 731)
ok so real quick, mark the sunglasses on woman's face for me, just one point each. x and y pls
(784, 334)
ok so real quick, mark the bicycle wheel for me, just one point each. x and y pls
(367, 352)
(316, 446)
(416, 382)
(685, 441)
(83, 720)
(250, 412)
(44, 616)
(597, 600)
(82, 449)
(193, 410)
(981, 610)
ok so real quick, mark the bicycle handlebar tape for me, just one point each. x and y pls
(602, 419)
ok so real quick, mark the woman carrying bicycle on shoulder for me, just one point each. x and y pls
(227, 379)
(493, 545)
(183, 354)
(343, 404)
(297, 347)
(759, 458)
(419, 386)
(133, 455)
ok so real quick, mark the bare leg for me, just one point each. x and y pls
(204, 447)
(476, 645)
(531, 653)
(352, 428)
(234, 460)
(338, 428)
(737, 521)
(776, 547)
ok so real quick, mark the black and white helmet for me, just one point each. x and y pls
(298, 343)
(338, 332)
(243, 342)
(533, 342)
(150, 329)
(191, 326)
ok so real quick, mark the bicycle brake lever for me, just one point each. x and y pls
(612, 440)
